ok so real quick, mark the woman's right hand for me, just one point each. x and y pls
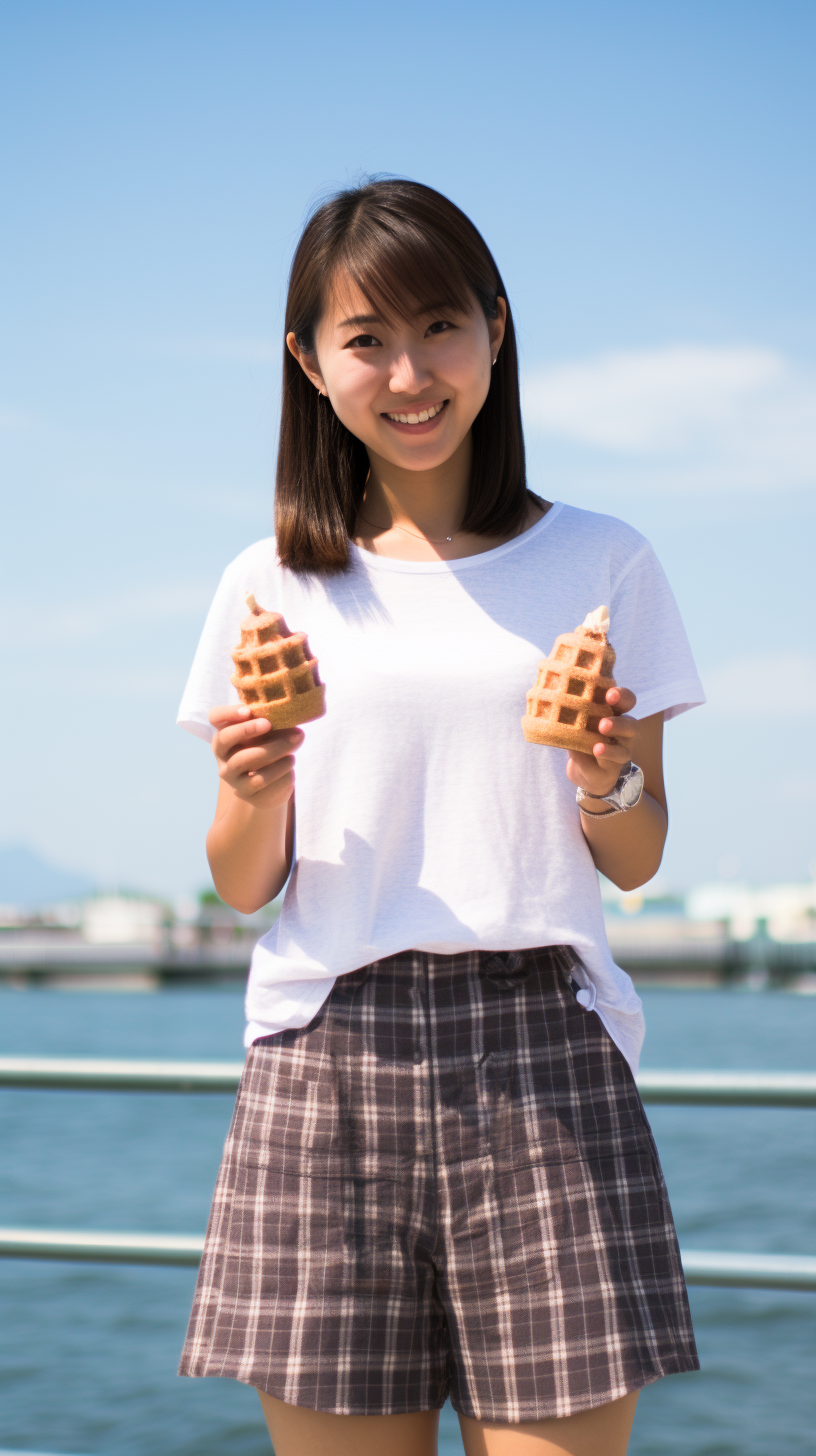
(255, 760)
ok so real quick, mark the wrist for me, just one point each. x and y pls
(597, 795)
(624, 795)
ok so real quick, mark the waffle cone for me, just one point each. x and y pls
(275, 673)
(569, 698)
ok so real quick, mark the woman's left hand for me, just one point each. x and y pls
(598, 771)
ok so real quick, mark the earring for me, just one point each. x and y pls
(494, 362)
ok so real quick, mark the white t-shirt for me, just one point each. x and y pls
(423, 817)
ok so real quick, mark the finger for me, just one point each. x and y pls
(246, 734)
(249, 756)
(611, 753)
(250, 760)
(622, 700)
(238, 735)
(586, 772)
(280, 775)
(276, 774)
(578, 766)
(227, 713)
(619, 728)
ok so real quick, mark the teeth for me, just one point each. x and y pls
(418, 419)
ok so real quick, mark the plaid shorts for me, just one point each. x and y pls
(444, 1185)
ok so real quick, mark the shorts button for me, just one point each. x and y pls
(494, 965)
(505, 971)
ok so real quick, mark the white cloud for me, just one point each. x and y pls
(697, 415)
(754, 687)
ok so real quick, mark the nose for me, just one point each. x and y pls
(409, 374)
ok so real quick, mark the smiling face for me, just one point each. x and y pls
(409, 389)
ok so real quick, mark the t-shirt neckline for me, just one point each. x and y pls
(459, 563)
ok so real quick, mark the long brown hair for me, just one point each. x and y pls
(408, 249)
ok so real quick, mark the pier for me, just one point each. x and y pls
(74, 963)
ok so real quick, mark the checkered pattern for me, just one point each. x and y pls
(444, 1185)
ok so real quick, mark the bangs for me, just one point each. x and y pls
(404, 273)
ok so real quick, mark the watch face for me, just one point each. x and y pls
(631, 791)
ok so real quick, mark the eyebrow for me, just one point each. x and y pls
(359, 319)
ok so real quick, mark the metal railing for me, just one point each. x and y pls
(744, 1271)
(712, 1089)
(96, 1074)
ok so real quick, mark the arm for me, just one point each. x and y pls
(250, 842)
(627, 847)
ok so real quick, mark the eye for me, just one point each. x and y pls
(441, 326)
(362, 341)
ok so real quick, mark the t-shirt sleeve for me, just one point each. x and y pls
(209, 684)
(653, 656)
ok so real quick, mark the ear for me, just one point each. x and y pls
(307, 362)
(496, 326)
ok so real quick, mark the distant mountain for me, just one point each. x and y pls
(27, 880)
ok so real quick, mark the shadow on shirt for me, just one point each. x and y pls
(388, 909)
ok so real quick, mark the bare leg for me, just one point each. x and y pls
(604, 1431)
(297, 1431)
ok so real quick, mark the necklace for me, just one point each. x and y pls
(433, 540)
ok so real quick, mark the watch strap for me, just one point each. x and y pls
(613, 809)
(614, 797)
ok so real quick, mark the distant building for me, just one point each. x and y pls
(124, 920)
(783, 912)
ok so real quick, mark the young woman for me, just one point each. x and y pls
(439, 1179)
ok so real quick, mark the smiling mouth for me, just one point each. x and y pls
(418, 417)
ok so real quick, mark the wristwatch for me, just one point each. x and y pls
(624, 794)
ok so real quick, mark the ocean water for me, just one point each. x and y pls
(88, 1354)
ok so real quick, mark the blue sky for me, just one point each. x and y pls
(644, 176)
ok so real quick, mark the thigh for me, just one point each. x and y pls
(603, 1431)
(294, 1431)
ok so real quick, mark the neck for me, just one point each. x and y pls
(432, 502)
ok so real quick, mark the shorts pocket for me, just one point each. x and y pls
(560, 1106)
(627, 1187)
(291, 1125)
